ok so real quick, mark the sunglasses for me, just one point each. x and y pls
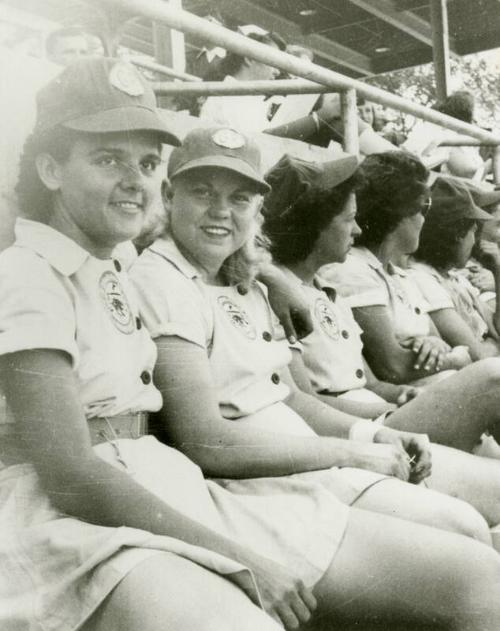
(426, 206)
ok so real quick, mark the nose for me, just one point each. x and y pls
(219, 207)
(356, 230)
(132, 178)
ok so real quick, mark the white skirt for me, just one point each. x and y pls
(56, 570)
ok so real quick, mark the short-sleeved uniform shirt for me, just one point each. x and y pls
(453, 291)
(363, 282)
(238, 331)
(55, 295)
(332, 353)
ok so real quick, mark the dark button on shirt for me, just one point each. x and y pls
(267, 336)
(359, 373)
(275, 378)
(138, 323)
(145, 377)
(345, 334)
(417, 310)
(117, 265)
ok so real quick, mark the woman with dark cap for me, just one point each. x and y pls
(446, 242)
(310, 220)
(101, 527)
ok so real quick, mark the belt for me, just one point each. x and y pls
(110, 428)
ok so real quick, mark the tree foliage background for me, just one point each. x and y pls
(479, 73)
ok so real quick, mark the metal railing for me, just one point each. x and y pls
(315, 78)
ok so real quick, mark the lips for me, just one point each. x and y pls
(127, 206)
(216, 231)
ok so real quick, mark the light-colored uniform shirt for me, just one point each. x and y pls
(332, 353)
(363, 282)
(247, 114)
(62, 298)
(453, 291)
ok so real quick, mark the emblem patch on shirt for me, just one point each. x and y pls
(116, 302)
(238, 317)
(327, 318)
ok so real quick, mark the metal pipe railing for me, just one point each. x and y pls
(169, 72)
(187, 22)
(240, 88)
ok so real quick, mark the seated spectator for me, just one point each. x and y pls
(97, 521)
(214, 332)
(310, 222)
(66, 45)
(401, 342)
(428, 140)
(446, 242)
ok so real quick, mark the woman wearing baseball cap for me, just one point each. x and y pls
(230, 404)
(310, 221)
(102, 527)
(446, 243)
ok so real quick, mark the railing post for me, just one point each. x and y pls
(496, 165)
(350, 121)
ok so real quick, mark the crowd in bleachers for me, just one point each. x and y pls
(238, 397)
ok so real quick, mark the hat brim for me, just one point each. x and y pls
(225, 162)
(479, 214)
(334, 172)
(124, 119)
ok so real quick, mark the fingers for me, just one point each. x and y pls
(299, 608)
(286, 323)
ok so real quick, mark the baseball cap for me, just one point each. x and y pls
(100, 95)
(483, 193)
(452, 200)
(291, 177)
(218, 147)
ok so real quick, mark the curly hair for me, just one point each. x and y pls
(393, 182)
(35, 199)
(439, 240)
(292, 234)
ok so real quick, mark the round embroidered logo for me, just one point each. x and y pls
(327, 318)
(125, 78)
(238, 317)
(228, 138)
(116, 302)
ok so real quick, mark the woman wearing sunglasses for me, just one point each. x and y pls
(401, 342)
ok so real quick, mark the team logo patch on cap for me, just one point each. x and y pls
(238, 317)
(327, 318)
(228, 138)
(116, 302)
(125, 78)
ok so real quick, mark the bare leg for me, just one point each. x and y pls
(424, 506)
(471, 478)
(169, 593)
(399, 572)
(455, 411)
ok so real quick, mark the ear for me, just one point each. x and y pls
(167, 192)
(49, 171)
(260, 205)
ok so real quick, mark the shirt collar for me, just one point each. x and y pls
(166, 247)
(318, 283)
(62, 253)
(368, 256)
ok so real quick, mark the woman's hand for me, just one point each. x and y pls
(482, 279)
(284, 597)
(291, 308)
(387, 459)
(416, 448)
(407, 393)
(490, 255)
(430, 352)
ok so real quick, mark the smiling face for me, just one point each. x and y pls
(335, 241)
(212, 215)
(105, 187)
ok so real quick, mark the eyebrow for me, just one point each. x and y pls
(120, 153)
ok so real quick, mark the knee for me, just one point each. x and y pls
(462, 518)
(488, 371)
